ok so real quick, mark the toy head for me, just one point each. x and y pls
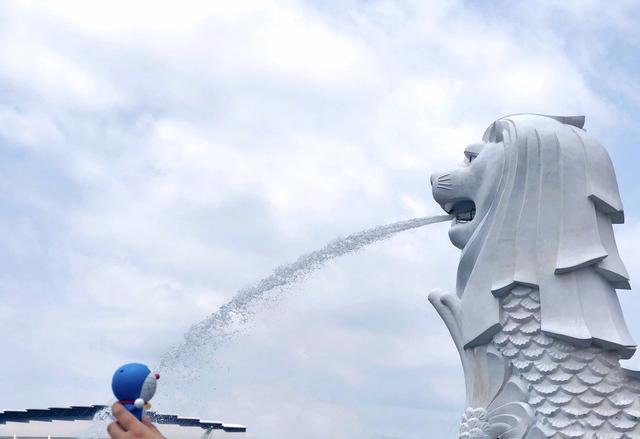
(134, 381)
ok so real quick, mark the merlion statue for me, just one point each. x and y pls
(536, 316)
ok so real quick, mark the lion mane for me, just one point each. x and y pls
(550, 227)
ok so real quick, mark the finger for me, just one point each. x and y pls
(126, 420)
(146, 420)
(115, 431)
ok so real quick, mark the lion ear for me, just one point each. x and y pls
(495, 132)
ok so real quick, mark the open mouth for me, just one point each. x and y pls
(464, 210)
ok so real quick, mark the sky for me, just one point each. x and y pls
(156, 157)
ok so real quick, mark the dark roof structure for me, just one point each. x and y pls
(87, 413)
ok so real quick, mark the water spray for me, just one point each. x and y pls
(216, 327)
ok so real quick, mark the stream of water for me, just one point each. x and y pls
(223, 324)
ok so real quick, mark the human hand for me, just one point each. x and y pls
(127, 426)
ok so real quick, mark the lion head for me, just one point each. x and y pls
(534, 205)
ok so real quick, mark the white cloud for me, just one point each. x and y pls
(159, 156)
(30, 130)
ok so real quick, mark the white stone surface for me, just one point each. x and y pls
(536, 317)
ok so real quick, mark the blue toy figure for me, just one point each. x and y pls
(134, 385)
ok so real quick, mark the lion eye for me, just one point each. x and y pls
(472, 151)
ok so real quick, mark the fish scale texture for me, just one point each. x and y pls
(575, 392)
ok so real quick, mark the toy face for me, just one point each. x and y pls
(149, 386)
